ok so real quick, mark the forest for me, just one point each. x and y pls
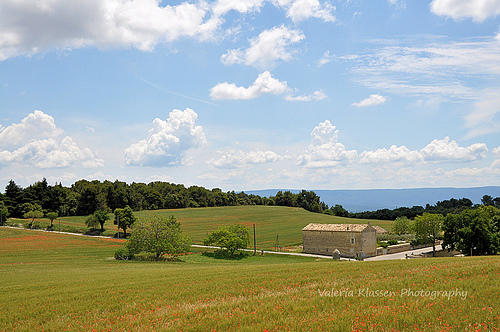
(85, 197)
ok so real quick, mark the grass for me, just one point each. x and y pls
(56, 282)
(270, 222)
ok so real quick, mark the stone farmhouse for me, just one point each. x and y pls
(351, 240)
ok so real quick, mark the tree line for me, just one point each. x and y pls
(86, 197)
(445, 207)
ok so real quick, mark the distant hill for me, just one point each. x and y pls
(375, 199)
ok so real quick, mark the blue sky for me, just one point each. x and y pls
(251, 94)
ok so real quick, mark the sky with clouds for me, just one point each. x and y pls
(251, 94)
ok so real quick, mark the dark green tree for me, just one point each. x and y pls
(52, 216)
(124, 218)
(475, 232)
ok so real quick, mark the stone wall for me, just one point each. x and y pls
(325, 242)
(398, 248)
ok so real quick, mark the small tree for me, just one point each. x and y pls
(33, 214)
(402, 225)
(52, 216)
(428, 228)
(91, 221)
(124, 218)
(230, 238)
(101, 216)
(159, 236)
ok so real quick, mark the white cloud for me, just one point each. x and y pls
(324, 149)
(265, 83)
(436, 151)
(300, 10)
(326, 58)
(167, 141)
(42, 25)
(373, 100)
(437, 67)
(265, 49)
(221, 7)
(446, 150)
(35, 126)
(35, 141)
(484, 116)
(239, 158)
(393, 154)
(478, 10)
(316, 95)
(496, 151)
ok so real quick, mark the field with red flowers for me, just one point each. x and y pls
(57, 282)
(270, 221)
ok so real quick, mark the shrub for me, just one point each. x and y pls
(123, 254)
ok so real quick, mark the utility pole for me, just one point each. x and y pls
(254, 241)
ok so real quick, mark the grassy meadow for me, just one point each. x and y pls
(270, 221)
(57, 282)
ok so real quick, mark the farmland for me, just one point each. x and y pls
(57, 282)
(270, 221)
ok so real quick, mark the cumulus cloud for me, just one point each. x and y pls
(265, 83)
(300, 10)
(36, 141)
(167, 141)
(371, 101)
(324, 149)
(436, 151)
(239, 158)
(446, 150)
(265, 49)
(478, 10)
(393, 154)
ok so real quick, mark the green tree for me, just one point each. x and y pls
(91, 221)
(124, 218)
(428, 228)
(33, 214)
(101, 216)
(402, 225)
(230, 238)
(159, 236)
(4, 213)
(52, 216)
(475, 232)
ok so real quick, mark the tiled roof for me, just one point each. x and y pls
(336, 227)
(380, 230)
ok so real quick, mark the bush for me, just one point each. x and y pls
(392, 242)
(124, 254)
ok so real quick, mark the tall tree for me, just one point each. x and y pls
(124, 218)
(428, 228)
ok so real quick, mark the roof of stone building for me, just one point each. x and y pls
(336, 227)
(380, 230)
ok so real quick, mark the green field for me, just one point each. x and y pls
(57, 282)
(270, 222)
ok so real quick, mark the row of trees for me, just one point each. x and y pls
(86, 197)
(445, 207)
(472, 231)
